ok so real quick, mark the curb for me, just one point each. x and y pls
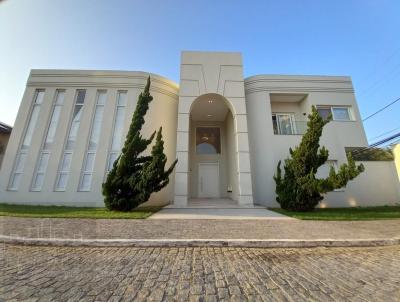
(244, 243)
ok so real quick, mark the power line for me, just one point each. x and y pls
(396, 100)
(385, 140)
(380, 82)
(395, 142)
(382, 63)
(372, 146)
(380, 135)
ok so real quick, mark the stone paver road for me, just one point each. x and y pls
(199, 274)
(197, 229)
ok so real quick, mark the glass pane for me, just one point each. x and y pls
(62, 181)
(37, 184)
(15, 181)
(52, 127)
(118, 128)
(208, 140)
(20, 162)
(94, 137)
(101, 97)
(341, 114)
(31, 127)
(111, 160)
(274, 124)
(44, 158)
(85, 183)
(60, 97)
(122, 98)
(285, 124)
(80, 98)
(89, 162)
(39, 97)
(66, 163)
(74, 127)
(324, 112)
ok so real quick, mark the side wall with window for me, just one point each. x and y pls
(265, 95)
(73, 139)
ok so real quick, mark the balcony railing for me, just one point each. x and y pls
(290, 127)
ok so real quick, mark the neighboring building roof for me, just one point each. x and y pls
(4, 128)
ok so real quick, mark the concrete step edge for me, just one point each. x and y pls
(254, 243)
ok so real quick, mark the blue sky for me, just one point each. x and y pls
(356, 38)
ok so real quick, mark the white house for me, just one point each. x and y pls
(228, 133)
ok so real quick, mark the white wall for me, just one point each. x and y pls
(162, 112)
(232, 171)
(374, 187)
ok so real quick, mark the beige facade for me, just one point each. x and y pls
(228, 133)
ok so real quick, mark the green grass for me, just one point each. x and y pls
(73, 212)
(358, 213)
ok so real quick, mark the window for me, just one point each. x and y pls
(116, 143)
(283, 123)
(87, 169)
(339, 113)
(324, 112)
(26, 142)
(208, 140)
(40, 171)
(65, 165)
(55, 116)
(76, 119)
(18, 170)
(48, 142)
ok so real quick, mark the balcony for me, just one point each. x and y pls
(288, 113)
(284, 124)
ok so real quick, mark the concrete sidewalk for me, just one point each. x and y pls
(171, 212)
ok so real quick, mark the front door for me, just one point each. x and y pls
(208, 180)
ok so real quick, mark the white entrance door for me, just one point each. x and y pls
(208, 180)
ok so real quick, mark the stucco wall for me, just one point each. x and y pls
(232, 171)
(377, 185)
(267, 149)
(162, 112)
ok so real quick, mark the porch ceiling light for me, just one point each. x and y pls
(209, 115)
(210, 101)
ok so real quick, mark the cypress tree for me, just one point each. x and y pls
(135, 176)
(299, 189)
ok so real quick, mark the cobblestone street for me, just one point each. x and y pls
(194, 229)
(199, 274)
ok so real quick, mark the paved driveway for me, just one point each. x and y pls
(199, 274)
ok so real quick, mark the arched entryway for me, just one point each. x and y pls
(218, 78)
(212, 149)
